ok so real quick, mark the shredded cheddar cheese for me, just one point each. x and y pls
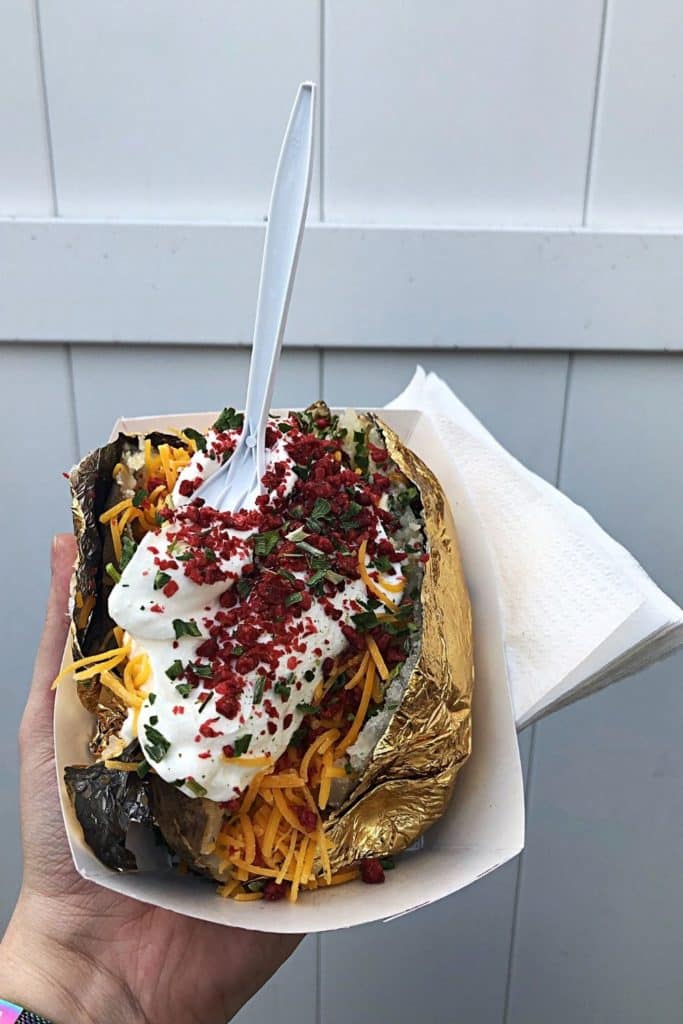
(377, 658)
(373, 587)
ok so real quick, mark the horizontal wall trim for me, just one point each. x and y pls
(387, 287)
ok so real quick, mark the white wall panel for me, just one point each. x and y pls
(356, 287)
(638, 152)
(600, 924)
(173, 110)
(25, 188)
(469, 113)
(36, 420)
(124, 380)
(448, 962)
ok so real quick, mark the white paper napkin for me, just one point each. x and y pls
(578, 610)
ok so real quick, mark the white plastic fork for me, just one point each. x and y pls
(237, 484)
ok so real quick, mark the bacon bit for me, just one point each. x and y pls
(158, 608)
(273, 891)
(228, 706)
(165, 563)
(178, 709)
(371, 871)
(207, 731)
(424, 557)
(207, 649)
(292, 662)
(171, 588)
(228, 751)
(378, 455)
(204, 754)
(307, 818)
(67, 476)
(271, 727)
(287, 721)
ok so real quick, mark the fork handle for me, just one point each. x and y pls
(287, 213)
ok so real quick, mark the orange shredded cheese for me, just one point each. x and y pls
(344, 876)
(288, 858)
(360, 674)
(116, 655)
(370, 584)
(249, 838)
(285, 781)
(122, 766)
(274, 820)
(286, 811)
(315, 746)
(357, 724)
(324, 794)
(115, 510)
(377, 657)
(299, 870)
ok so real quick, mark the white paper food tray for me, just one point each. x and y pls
(484, 824)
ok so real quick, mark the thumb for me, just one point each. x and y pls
(37, 721)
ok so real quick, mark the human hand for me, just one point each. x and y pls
(77, 953)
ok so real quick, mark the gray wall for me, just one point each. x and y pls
(588, 925)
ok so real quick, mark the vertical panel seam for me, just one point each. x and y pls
(321, 373)
(321, 113)
(46, 108)
(74, 407)
(597, 94)
(534, 727)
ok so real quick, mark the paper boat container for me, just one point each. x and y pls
(483, 826)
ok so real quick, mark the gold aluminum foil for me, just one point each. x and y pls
(408, 781)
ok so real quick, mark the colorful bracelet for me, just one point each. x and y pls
(10, 1013)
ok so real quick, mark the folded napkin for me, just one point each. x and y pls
(578, 611)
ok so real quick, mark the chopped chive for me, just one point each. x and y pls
(128, 549)
(161, 579)
(182, 628)
(175, 670)
(258, 689)
(241, 744)
(157, 746)
(295, 598)
(184, 689)
(112, 572)
(228, 420)
(195, 787)
(308, 709)
(139, 497)
(195, 436)
(265, 542)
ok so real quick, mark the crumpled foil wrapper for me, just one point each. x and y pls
(408, 781)
(92, 491)
(407, 784)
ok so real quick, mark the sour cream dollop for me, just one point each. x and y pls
(241, 614)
